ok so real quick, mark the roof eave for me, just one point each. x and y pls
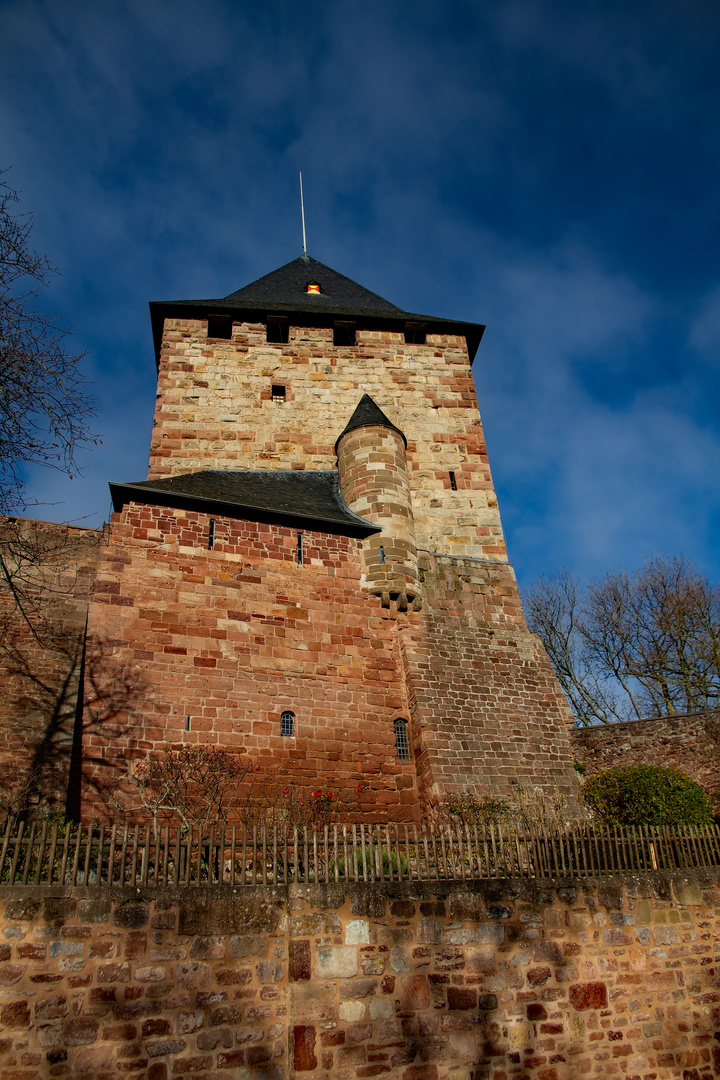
(124, 493)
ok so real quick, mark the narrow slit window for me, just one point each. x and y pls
(299, 548)
(187, 723)
(382, 555)
(219, 326)
(211, 534)
(287, 724)
(278, 392)
(344, 333)
(453, 481)
(278, 331)
(401, 740)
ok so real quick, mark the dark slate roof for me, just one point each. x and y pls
(368, 414)
(288, 286)
(284, 293)
(297, 497)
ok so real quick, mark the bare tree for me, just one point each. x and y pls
(632, 645)
(199, 785)
(44, 407)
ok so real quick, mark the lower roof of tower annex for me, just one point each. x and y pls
(285, 293)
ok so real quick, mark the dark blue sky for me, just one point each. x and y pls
(549, 168)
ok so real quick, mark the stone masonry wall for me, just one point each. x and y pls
(487, 711)
(689, 743)
(500, 980)
(233, 637)
(215, 410)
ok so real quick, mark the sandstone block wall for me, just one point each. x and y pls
(689, 743)
(235, 636)
(374, 484)
(448, 981)
(488, 713)
(215, 410)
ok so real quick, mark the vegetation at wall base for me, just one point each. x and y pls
(647, 795)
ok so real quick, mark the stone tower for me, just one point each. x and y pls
(314, 569)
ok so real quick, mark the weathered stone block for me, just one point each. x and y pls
(357, 932)
(591, 995)
(132, 915)
(255, 945)
(304, 1057)
(339, 962)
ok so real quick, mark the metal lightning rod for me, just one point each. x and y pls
(302, 212)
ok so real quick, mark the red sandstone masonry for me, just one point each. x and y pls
(487, 711)
(495, 980)
(234, 636)
(689, 743)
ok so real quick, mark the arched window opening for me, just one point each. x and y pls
(401, 740)
(287, 723)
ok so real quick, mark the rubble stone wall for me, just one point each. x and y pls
(690, 743)
(421, 981)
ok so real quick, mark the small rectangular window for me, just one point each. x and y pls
(299, 548)
(219, 326)
(211, 534)
(278, 331)
(453, 481)
(415, 333)
(278, 392)
(344, 333)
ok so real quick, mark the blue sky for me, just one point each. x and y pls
(547, 167)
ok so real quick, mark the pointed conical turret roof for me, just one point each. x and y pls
(368, 414)
(285, 293)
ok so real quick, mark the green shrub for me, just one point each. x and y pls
(647, 795)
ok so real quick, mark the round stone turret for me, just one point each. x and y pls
(374, 483)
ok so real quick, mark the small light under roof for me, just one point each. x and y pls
(313, 286)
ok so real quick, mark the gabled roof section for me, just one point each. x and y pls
(283, 293)
(368, 414)
(302, 498)
(289, 286)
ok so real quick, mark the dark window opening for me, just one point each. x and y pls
(187, 723)
(299, 548)
(453, 481)
(287, 724)
(382, 555)
(278, 392)
(219, 326)
(401, 740)
(278, 331)
(344, 333)
(415, 333)
(211, 534)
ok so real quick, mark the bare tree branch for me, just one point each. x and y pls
(632, 645)
(44, 407)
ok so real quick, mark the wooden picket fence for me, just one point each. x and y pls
(138, 855)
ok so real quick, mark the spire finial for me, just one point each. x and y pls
(302, 213)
